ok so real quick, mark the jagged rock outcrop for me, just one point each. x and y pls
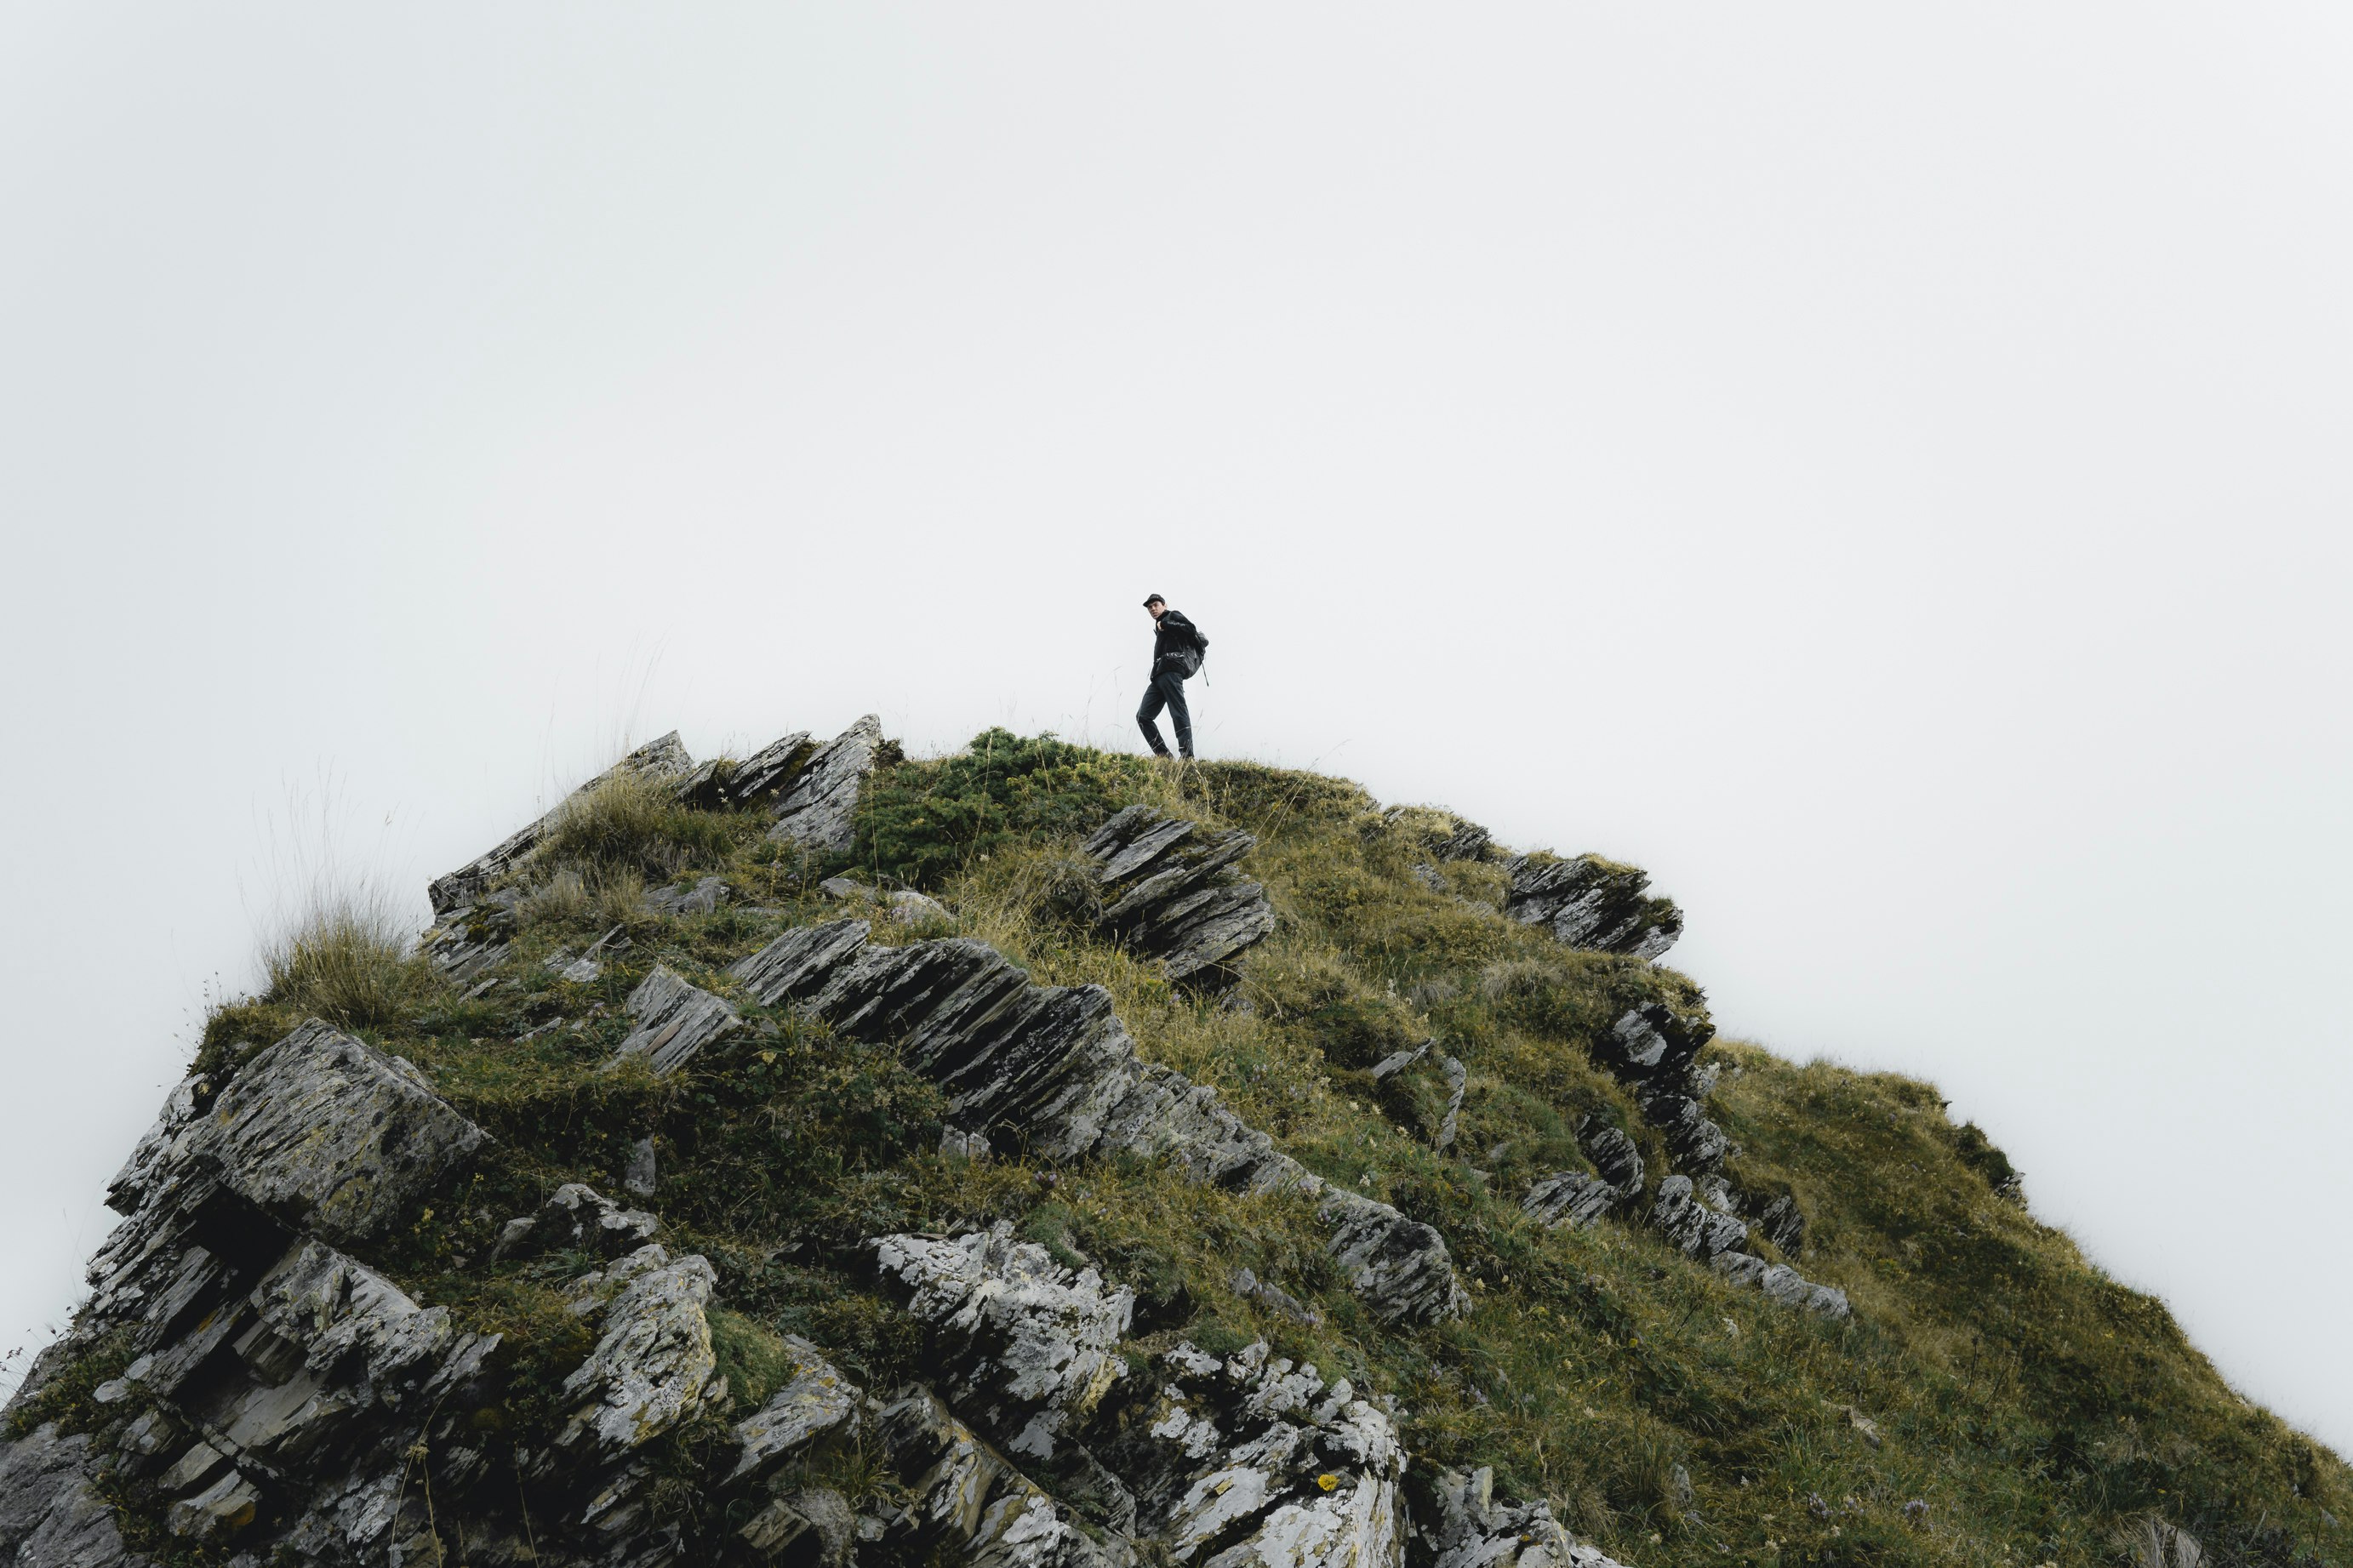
(271, 1374)
(473, 938)
(1023, 1345)
(1653, 1049)
(674, 1021)
(1473, 1530)
(1166, 888)
(768, 770)
(1784, 1224)
(1575, 1199)
(51, 1516)
(1051, 1068)
(1593, 903)
(818, 811)
(662, 759)
(652, 1368)
(964, 1496)
(1254, 1462)
(1698, 1221)
(320, 1130)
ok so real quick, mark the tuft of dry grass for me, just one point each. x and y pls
(605, 897)
(347, 959)
(631, 824)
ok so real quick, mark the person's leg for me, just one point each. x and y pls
(1149, 709)
(1178, 714)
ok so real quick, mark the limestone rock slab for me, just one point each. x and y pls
(675, 1020)
(818, 811)
(326, 1132)
(653, 1367)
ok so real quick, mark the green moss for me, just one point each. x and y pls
(924, 822)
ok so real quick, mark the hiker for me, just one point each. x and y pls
(1177, 646)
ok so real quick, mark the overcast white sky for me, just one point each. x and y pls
(1885, 472)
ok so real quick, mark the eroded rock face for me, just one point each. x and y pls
(1166, 888)
(662, 759)
(49, 1513)
(1254, 1461)
(322, 1130)
(1593, 903)
(1025, 1346)
(653, 1367)
(1052, 1068)
(819, 810)
(271, 1375)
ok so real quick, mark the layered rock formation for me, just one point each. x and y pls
(1166, 888)
(1653, 1050)
(1580, 1198)
(1051, 1069)
(1593, 903)
(819, 809)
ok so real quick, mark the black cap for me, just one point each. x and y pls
(1151, 599)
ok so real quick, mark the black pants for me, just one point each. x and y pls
(1165, 691)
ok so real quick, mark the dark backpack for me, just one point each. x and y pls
(1188, 663)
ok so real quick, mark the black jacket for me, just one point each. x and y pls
(1175, 645)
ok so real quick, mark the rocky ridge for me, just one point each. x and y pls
(276, 1388)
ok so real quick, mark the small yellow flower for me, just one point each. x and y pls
(1327, 1481)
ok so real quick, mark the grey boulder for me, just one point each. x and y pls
(322, 1130)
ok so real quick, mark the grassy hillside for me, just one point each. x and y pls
(1995, 1400)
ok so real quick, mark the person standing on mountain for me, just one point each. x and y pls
(1178, 649)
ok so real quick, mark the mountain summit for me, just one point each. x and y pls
(1038, 1158)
